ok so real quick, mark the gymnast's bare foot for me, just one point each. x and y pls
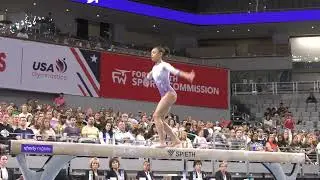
(176, 144)
(161, 145)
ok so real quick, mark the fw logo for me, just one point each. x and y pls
(119, 76)
(170, 152)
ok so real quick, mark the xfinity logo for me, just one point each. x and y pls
(91, 1)
(119, 76)
(181, 154)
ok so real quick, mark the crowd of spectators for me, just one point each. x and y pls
(58, 122)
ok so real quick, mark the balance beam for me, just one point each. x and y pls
(91, 150)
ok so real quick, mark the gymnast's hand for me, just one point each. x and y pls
(190, 76)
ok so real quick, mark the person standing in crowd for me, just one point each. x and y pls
(5, 173)
(197, 174)
(146, 174)
(115, 173)
(222, 173)
(93, 173)
(160, 74)
(59, 101)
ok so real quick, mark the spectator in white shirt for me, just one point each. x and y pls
(121, 134)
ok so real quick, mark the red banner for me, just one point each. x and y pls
(122, 77)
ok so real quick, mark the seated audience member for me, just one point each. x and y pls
(90, 131)
(197, 174)
(23, 132)
(255, 144)
(185, 141)
(106, 135)
(5, 173)
(72, 129)
(24, 111)
(46, 132)
(146, 173)
(222, 173)
(5, 129)
(311, 99)
(200, 140)
(115, 173)
(281, 110)
(93, 173)
(121, 134)
(271, 144)
(23, 34)
(15, 122)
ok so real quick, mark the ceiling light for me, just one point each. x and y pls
(312, 27)
(34, 3)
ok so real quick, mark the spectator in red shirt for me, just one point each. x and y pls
(289, 122)
(59, 101)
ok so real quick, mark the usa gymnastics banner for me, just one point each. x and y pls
(49, 68)
(122, 77)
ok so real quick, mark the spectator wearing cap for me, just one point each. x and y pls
(197, 173)
(222, 173)
(191, 134)
(146, 173)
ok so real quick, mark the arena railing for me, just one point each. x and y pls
(264, 50)
(275, 87)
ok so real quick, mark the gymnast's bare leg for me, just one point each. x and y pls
(163, 128)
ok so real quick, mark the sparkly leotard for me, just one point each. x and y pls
(161, 76)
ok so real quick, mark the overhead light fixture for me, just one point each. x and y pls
(34, 3)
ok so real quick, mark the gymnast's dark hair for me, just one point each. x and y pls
(164, 50)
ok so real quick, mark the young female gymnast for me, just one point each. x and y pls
(160, 74)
